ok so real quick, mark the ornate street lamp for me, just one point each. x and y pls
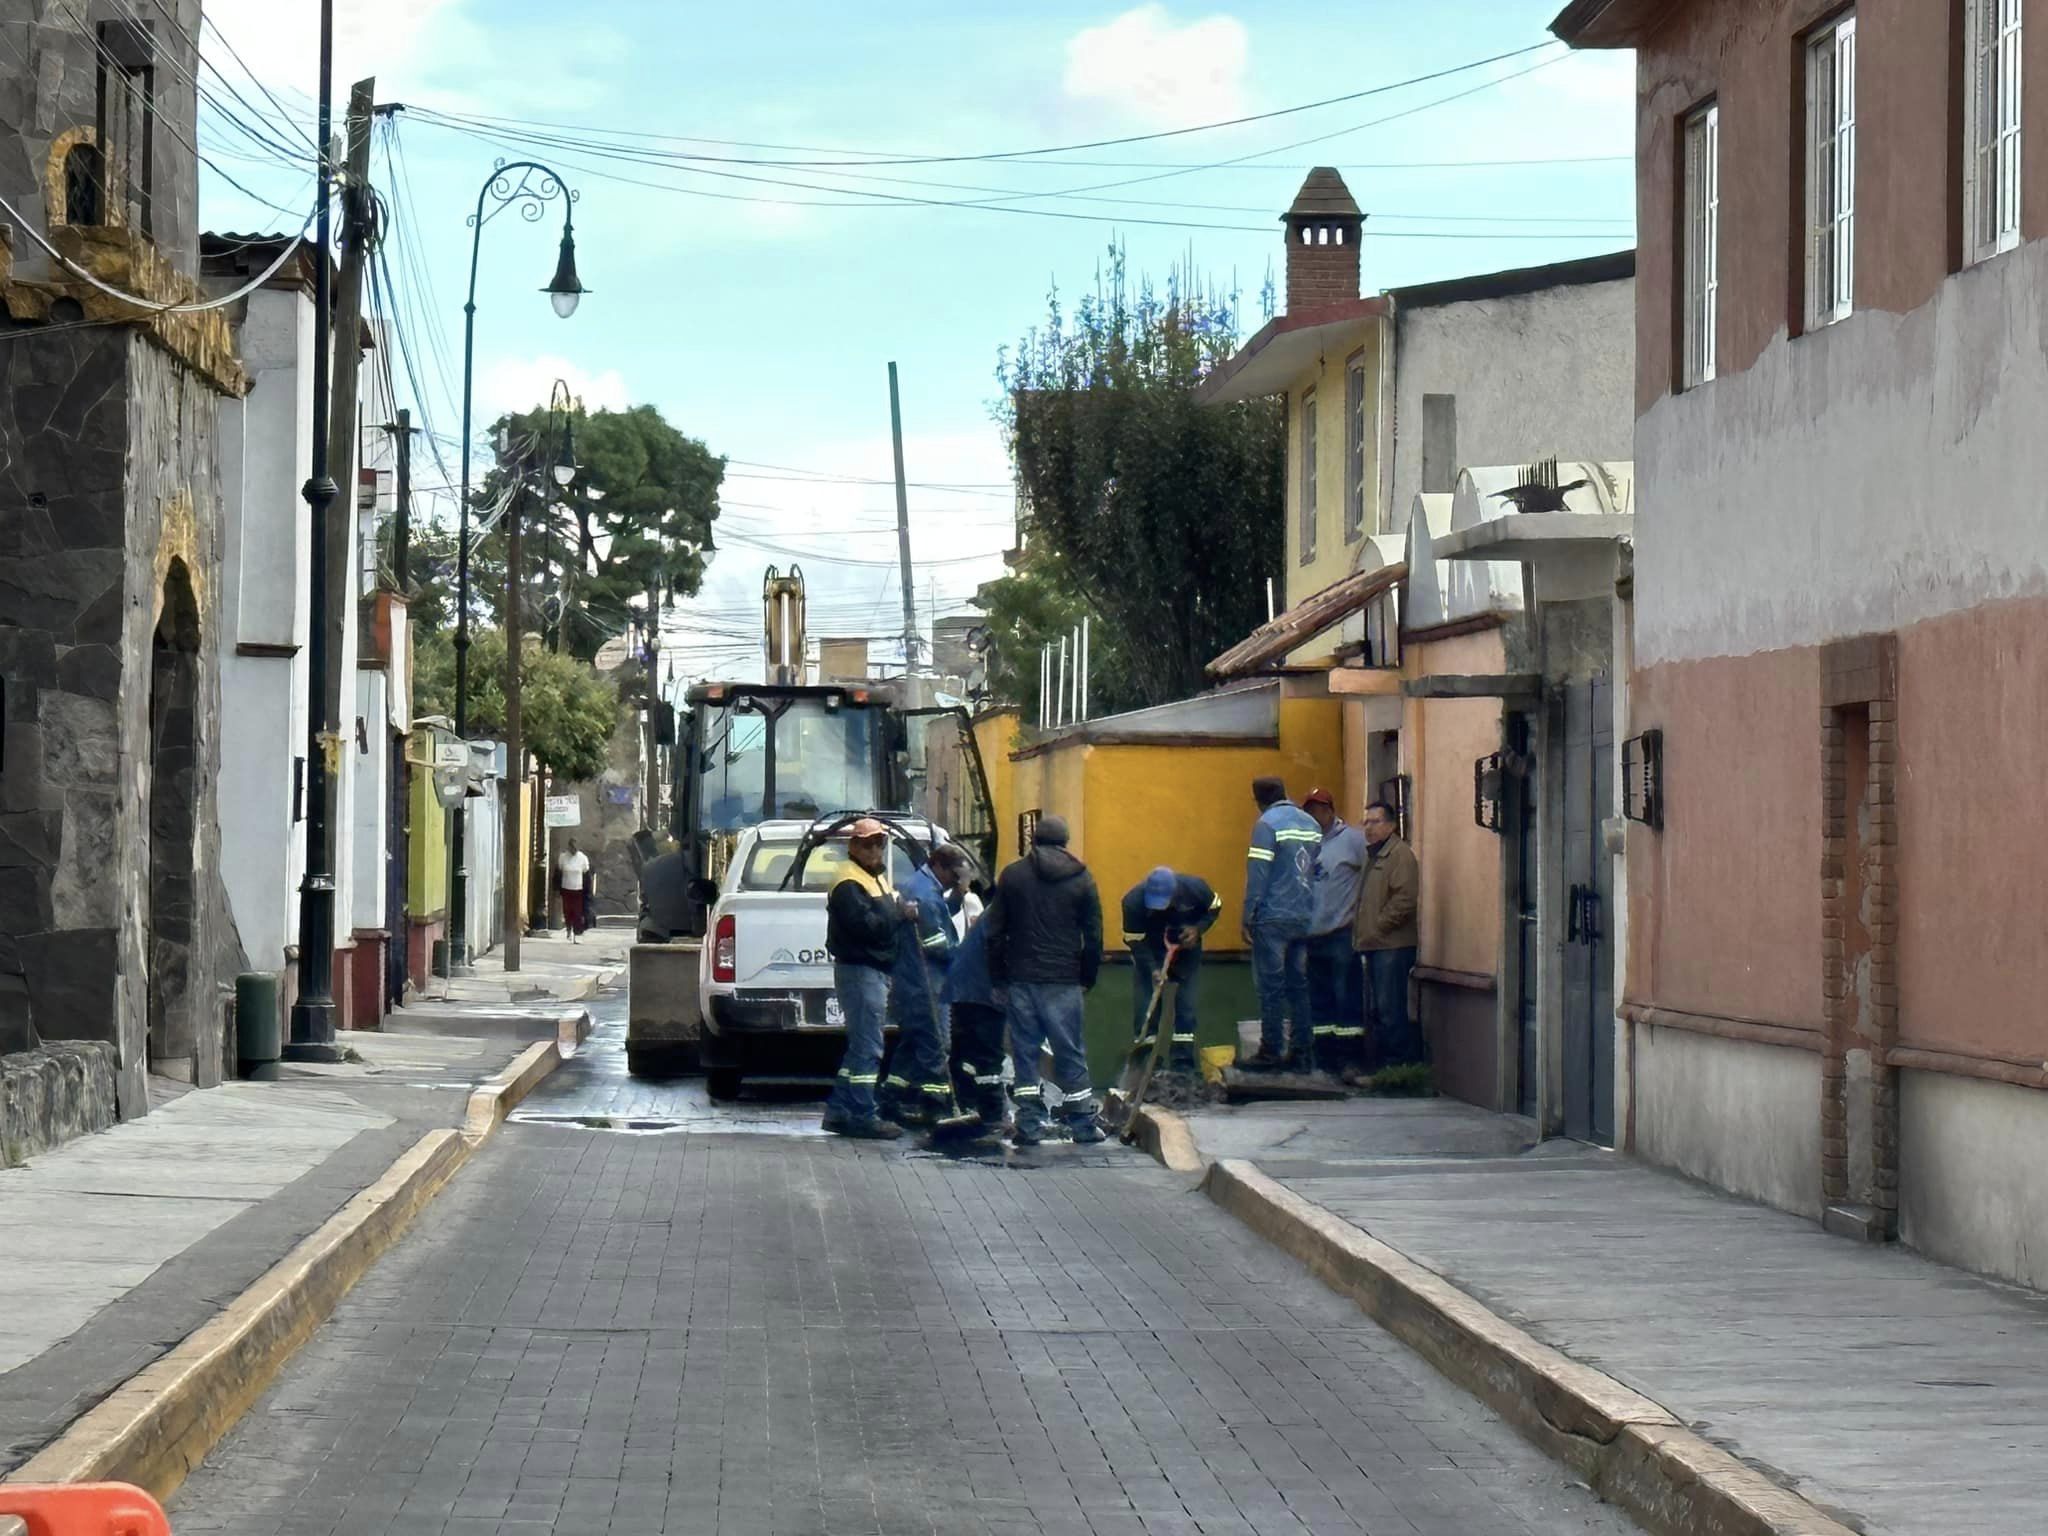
(528, 186)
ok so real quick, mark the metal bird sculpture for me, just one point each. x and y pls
(1539, 490)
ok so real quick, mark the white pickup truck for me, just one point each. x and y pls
(764, 977)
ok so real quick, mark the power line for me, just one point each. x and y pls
(1046, 150)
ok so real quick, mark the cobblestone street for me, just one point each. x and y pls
(607, 1331)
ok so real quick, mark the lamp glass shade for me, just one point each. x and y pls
(565, 461)
(566, 290)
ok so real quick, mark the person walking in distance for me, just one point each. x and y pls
(573, 871)
(1385, 933)
(1336, 978)
(916, 1087)
(1164, 909)
(1279, 902)
(1045, 947)
(860, 935)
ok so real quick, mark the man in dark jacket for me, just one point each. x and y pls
(1167, 908)
(860, 935)
(916, 1087)
(1045, 946)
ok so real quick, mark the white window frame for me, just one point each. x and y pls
(1700, 187)
(1308, 477)
(1991, 127)
(1354, 448)
(1831, 172)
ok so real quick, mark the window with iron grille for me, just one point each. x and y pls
(1702, 237)
(1642, 779)
(1309, 508)
(1991, 127)
(1831, 172)
(1354, 450)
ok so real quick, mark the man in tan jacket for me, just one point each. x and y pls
(1384, 934)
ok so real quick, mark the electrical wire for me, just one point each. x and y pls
(146, 305)
(1061, 149)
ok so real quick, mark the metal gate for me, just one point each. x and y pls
(397, 923)
(1588, 956)
(1518, 790)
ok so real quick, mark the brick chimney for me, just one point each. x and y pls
(1323, 228)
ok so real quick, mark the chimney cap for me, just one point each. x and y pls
(1323, 196)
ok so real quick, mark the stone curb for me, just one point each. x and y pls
(1630, 1450)
(496, 1097)
(158, 1425)
(1166, 1136)
(572, 1029)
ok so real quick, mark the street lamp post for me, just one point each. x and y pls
(312, 1022)
(535, 186)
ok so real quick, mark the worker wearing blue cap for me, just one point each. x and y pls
(1163, 908)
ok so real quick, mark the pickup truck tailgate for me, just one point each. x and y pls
(778, 940)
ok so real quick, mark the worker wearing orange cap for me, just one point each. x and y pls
(860, 935)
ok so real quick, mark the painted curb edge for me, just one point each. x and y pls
(1166, 1136)
(1630, 1450)
(158, 1425)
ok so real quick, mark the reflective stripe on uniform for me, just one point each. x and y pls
(859, 1080)
(936, 941)
(941, 1090)
(1349, 1031)
(1134, 938)
(1187, 1039)
(1216, 905)
(1265, 855)
(898, 1082)
(1326, 1029)
(1031, 1091)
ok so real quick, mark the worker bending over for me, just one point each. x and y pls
(1165, 909)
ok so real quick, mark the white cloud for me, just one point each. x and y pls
(1162, 73)
(521, 383)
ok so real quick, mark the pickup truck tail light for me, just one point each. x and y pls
(725, 950)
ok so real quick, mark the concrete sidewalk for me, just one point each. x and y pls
(551, 969)
(114, 1247)
(1898, 1394)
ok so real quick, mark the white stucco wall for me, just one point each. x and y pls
(266, 449)
(1538, 374)
(371, 772)
(1915, 440)
(1970, 1186)
(1736, 1114)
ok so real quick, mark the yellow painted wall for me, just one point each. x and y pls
(1131, 807)
(526, 808)
(995, 736)
(1334, 557)
(426, 878)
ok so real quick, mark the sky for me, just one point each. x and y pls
(758, 306)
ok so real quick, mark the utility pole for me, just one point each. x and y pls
(515, 858)
(903, 530)
(358, 227)
(401, 522)
(312, 1023)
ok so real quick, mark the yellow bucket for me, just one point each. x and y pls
(1214, 1059)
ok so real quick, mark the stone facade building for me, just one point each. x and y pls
(113, 924)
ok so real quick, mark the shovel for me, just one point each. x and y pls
(1143, 1059)
(956, 1124)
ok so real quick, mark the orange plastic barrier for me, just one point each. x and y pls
(84, 1509)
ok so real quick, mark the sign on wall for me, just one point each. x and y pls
(564, 811)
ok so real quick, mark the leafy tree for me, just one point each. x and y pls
(567, 712)
(1158, 516)
(636, 521)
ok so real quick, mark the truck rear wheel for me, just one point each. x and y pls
(722, 1083)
